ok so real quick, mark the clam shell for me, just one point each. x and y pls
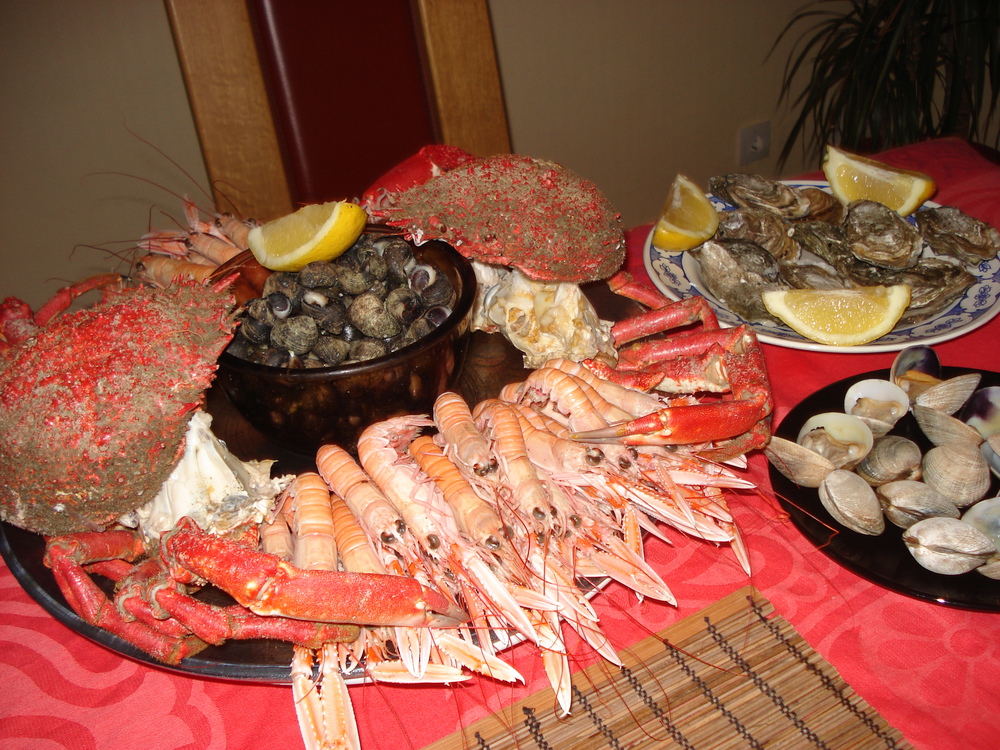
(958, 471)
(982, 411)
(991, 452)
(949, 395)
(852, 502)
(841, 438)
(944, 429)
(879, 403)
(907, 501)
(915, 368)
(800, 465)
(948, 545)
(985, 516)
(991, 568)
(891, 458)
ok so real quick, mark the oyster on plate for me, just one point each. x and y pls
(878, 235)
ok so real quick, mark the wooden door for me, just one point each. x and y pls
(312, 100)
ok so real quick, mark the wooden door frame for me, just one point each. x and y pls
(232, 113)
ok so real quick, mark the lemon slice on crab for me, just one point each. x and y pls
(319, 231)
(688, 217)
(854, 177)
(840, 317)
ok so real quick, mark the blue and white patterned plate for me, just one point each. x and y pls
(678, 276)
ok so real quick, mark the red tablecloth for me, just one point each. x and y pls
(931, 671)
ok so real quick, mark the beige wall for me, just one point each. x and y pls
(76, 80)
(626, 92)
(631, 92)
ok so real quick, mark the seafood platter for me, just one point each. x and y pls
(951, 294)
(895, 476)
(421, 550)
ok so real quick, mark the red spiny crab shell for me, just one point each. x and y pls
(93, 408)
(515, 211)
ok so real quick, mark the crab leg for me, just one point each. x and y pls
(264, 584)
(745, 411)
(676, 315)
(67, 555)
(18, 323)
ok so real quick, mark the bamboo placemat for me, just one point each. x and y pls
(735, 675)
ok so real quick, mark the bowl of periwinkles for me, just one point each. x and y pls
(324, 352)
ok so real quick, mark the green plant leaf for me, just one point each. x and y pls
(883, 73)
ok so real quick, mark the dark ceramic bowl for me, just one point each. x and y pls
(302, 409)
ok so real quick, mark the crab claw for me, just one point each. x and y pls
(266, 585)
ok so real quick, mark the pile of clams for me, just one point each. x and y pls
(866, 476)
(369, 302)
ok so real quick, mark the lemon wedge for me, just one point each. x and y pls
(320, 231)
(840, 317)
(688, 217)
(854, 178)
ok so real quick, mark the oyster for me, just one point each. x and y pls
(907, 501)
(762, 227)
(737, 273)
(852, 502)
(810, 276)
(826, 241)
(824, 206)
(878, 235)
(757, 191)
(948, 545)
(949, 231)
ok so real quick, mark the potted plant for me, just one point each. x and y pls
(884, 73)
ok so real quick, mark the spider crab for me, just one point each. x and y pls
(97, 412)
(559, 231)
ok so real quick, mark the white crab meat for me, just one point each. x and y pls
(211, 486)
(544, 320)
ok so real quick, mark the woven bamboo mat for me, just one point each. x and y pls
(735, 675)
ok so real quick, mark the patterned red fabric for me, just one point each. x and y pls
(931, 671)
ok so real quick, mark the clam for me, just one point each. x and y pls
(798, 464)
(948, 545)
(842, 438)
(852, 502)
(944, 429)
(991, 568)
(917, 371)
(991, 452)
(892, 457)
(907, 501)
(825, 442)
(982, 413)
(985, 516)
(958, 471)
(878, 403)
(949, 395)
